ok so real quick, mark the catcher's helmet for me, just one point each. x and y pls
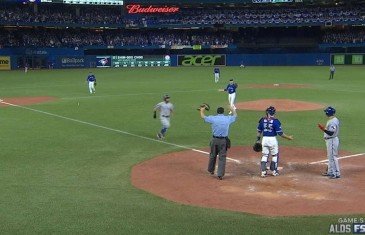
(330, 111)
(165, 97)
(271, 110)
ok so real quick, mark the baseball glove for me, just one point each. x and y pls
(205, 105)
(94, 83)
(257, 147)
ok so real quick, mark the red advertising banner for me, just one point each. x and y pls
(136, 9)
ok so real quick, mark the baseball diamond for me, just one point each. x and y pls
(105, 153)
(136, 157)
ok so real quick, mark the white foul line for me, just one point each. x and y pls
(349, 156)
(111, 129)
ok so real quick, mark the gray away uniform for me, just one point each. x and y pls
(332, 144)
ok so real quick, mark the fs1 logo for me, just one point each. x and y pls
(202, 60)
(358, 228)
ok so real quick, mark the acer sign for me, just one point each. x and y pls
(201, 60)
(136, 9)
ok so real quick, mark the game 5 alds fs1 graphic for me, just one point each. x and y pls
(348, 226)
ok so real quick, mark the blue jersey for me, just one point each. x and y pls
(269, 127)
(231, 88)
(91, 78)
(217, 70)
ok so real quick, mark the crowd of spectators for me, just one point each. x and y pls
(42, 37)
(62, 14)
(61, 36)
(343, 36)
(70, 38)
(268, 16)
(112, 16)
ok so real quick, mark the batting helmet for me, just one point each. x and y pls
(330, 111)
(165, 97)
(271, 110)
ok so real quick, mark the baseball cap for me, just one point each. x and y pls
(220, 110)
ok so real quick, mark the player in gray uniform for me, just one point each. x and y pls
(165, 108)
(331, 131)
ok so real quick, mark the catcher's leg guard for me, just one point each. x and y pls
(274, 163)
(263, 162)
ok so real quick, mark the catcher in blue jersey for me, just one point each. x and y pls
(268, 128)
(91, 81)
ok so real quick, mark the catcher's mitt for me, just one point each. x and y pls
(257, 147)
(205, 105)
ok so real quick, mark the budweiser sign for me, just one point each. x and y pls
(135, 9)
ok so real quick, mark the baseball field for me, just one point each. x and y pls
(67, 156)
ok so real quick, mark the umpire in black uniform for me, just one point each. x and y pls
(220, 143)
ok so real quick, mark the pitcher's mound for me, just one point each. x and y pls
(281, 105)
(277, 85)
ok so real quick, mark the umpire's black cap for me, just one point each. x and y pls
(220, 110)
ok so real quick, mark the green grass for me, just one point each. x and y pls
(65, 168)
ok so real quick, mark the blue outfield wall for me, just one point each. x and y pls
(75, 58)
(308, 59)
(299, 59)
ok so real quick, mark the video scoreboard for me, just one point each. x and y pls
(348, 59)
(133, 61)
(141, 61)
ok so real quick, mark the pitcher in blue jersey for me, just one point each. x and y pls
(91, 80)
(268, 128)
(231, 90)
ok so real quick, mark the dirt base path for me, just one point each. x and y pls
(26, 100)
(299, 190)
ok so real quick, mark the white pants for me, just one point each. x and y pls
(216, 77)
(231, 100)
(165, 122)
(270, 145)
(91, 87)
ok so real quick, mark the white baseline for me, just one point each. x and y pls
(111, 129)
(349, 156)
